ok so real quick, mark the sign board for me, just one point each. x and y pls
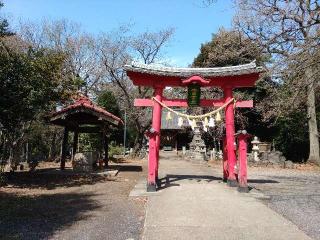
(194, 92)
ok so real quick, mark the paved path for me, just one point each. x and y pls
(194, 204)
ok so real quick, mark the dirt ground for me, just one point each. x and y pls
(42, 205)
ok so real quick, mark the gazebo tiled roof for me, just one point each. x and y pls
(83, 110)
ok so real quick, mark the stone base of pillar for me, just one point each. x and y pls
(243, 189)
(158, 182)
(151, 188)
(232, 183)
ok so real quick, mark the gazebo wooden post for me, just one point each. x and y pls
(105, 141)
(75, 142)
(230, 130)
(64, 148)
(154, 142)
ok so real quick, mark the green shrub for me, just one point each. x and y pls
(114, 149)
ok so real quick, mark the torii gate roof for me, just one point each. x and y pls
(235, 76)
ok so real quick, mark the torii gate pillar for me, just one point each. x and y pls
(230, 130)
(154, 141)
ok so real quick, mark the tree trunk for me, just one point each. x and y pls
(52, 150)
(138, 143)
(314, 155)
(3, 151)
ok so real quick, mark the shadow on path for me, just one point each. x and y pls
(38, 217)
(51, 179)
(261, 181)
(126, 168)
(171, 179)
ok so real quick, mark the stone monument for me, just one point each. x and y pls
(84, 161)
(197, 147)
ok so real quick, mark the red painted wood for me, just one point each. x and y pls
(158, 128)
(229, 118)
(145, 79)
(225, 160)
(184, 103)
(195, 79)
(154, 142)
(244, 104)
(243, 160)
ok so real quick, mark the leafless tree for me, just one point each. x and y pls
(120, 48)
(96, 63)
(289, 30)
(82, 62)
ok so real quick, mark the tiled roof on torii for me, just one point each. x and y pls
(187, 72)
(240, 76)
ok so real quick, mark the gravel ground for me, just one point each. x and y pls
(72, 207)
(295, 194)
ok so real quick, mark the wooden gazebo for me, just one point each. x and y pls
(83, 116)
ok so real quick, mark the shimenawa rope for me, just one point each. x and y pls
(194, 116)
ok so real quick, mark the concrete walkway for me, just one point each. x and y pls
(195, 204)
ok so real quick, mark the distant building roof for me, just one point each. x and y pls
(173, 123)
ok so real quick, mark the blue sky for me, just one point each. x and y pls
(194, 23)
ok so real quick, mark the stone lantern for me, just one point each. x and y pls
(197, 146)
(255, 149)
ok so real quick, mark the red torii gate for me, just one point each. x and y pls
(226, 78)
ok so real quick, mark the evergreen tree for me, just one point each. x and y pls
(4, 25)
